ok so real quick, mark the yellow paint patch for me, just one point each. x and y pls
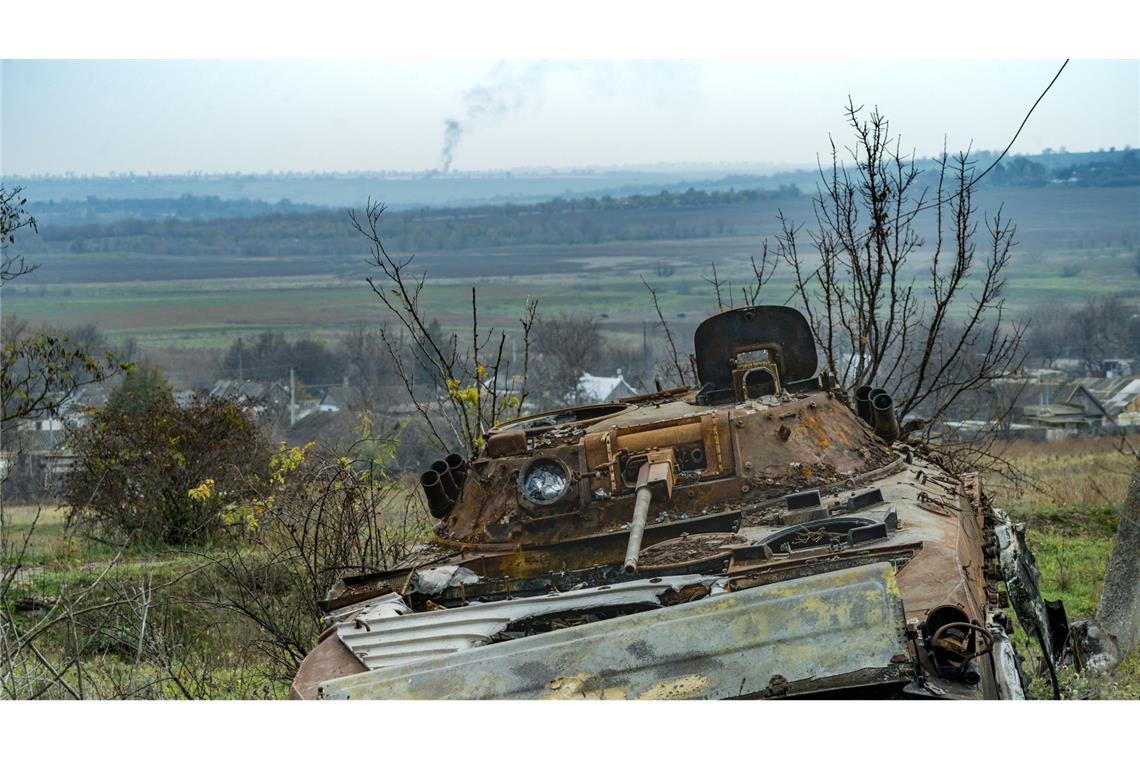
(892, 584)
(685, 687)
(574, 687)
(814, 424)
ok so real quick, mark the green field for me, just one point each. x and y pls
(1073, 244)
(209, 312)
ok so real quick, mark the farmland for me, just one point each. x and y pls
(308, 277)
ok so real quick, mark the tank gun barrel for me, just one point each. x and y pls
(655, 478)
(637, 527)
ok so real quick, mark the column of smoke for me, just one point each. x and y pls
(451, 134)
(513, 86)
(505, 91)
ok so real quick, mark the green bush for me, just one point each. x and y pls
(163, 472)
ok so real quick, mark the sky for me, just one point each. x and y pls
(99, 117)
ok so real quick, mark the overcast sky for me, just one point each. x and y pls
(220, 116)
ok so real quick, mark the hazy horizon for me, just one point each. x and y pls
(663, 167)
(225, 117)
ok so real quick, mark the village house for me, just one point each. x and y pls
(266, 400)
(1084, 405)
(35, 458)
(1117, 397)
(593, 389)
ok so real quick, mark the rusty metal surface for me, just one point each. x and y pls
(328, 659)
(684, 551)
(780, 330)
(936, 527)
(847, 626)
(721, 510)
(589, 550)
(939, 532)
(748, 453)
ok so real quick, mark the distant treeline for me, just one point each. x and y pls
(1109, 169)
(412, 190)
(209, 226)
(558, 222)
(405, 191)
(94, 210)
(690, 198)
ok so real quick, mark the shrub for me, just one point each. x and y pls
(319, 517)
(161, 472)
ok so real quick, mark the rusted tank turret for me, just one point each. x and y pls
(757, 536)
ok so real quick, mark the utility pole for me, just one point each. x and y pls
(241, 371)
(292, 398)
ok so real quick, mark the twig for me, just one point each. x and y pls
(681, 379)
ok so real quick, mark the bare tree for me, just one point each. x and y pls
(762, 272)
(718, 287)
(369, 365)
(566, 345)
(1100, 330)
(672, 368)
(1048, 331)
(474, 386)
(926, 344)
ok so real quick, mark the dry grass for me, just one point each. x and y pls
(1061, 474)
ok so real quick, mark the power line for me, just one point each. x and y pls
(1016, 134)
(972, 182)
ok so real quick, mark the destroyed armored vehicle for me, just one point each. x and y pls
(756, 536)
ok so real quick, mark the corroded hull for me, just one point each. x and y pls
(752, 538)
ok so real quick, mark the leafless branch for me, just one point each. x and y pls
(681, 377)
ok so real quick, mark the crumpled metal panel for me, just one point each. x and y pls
(430, 581)
(1007, 672)
(387, 633)
(1022, 580)
(832, 630)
